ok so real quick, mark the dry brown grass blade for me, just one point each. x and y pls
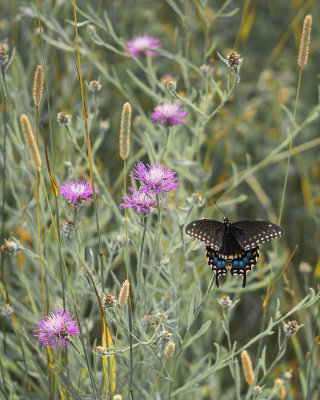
(266, 301)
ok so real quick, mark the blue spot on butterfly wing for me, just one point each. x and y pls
(217, 265)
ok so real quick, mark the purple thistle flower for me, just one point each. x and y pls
(169, 114)
(56, 327)
(140, 43)
(156, 178)
(77, 191)
(140, 200)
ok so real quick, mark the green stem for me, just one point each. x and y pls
(93, 384)
(127, 270)
(290, 148)
(159, 375)
(277, 358)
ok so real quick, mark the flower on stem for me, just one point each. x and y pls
(78, 191)
(10, 247)
(196, 200)
(225, 302)
(169, 114)
(164, 337)
(95, 86)
(141, 201)
(7, 310)
(140, 43)
(291, 328)
(58, 326)
(63, 118)
(156, 178)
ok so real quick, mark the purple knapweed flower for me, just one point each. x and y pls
(140, 200)
(140, 43)
(156, 178)
(77, 191)
(169, 114)
(56, 327)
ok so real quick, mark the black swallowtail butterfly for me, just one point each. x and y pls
(233, 246)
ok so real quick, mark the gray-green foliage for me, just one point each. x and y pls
(233, 149)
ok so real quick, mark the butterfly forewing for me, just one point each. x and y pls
(209, 231)
(249, 234)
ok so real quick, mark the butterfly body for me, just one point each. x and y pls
(233, 246)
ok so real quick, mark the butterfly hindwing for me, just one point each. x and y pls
(209, 231)
(238, 263)
(245, 263)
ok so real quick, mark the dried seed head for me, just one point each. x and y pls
(257, 390)
(125, 130)
(37, 90)
(233, 59)
(4, 58)
(109, 301)
(305, 42)
(100, 349)
(169, 349)
(280, 389)
(29, 138)
(205, 69)
(91, 29)
(196, 200)
(124, 293)
(305, 268)
(247, 368)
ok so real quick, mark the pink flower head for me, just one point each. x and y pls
(156, 178)
(140, 200)
(56, 327)
(140, 43)
(169, 114)
(77, 191)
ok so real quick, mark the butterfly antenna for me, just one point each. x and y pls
(220, 209)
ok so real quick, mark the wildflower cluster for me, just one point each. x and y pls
(140, 44)
(55, 328)
(77, 192)
(169, 114)
(156, 180)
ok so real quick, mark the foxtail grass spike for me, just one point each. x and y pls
(170, 350)
(124, 293)
(37, 90)
(305, 42)
(247, 368)
(280, 389)
(30, 140)
(125, 129)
